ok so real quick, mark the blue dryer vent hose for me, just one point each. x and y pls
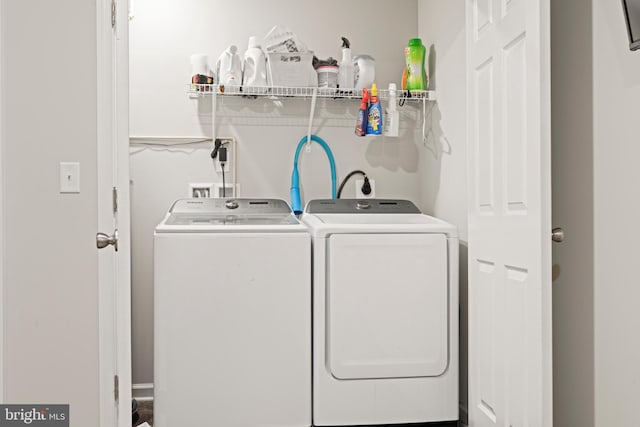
(296, 203)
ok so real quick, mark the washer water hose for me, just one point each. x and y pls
(296, 204)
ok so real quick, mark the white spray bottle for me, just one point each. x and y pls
(345, 70)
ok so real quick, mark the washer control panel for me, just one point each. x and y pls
(238, 206)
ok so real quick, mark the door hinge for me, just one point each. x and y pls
(113, 13)
(116, 387)
(115, 200)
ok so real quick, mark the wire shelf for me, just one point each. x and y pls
(203, 90)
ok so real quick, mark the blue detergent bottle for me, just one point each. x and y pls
(374, 116)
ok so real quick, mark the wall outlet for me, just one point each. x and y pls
(229, 164)
(360, 194)
(228, 190)
(200, 189)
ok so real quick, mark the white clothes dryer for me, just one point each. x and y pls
(385, 313)
(232, 321)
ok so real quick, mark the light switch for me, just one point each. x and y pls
(69, 177)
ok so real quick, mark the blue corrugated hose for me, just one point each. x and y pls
(296, 204)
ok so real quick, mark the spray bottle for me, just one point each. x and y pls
(345, 70)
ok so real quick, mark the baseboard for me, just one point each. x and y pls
(142, 392)
(464, 415)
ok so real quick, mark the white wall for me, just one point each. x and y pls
(443, 158)
(49, 115)
(163, 36)
(572, 171)
(616, 212)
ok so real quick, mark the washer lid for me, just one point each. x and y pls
(361, 206)
(326, 217)
(207, 212)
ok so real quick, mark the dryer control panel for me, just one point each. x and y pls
(356, 206)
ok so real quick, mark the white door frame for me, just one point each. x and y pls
(113, 171)
(2, 296)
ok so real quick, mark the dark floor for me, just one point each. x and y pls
(145, 411)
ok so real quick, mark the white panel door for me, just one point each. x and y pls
(509, 213)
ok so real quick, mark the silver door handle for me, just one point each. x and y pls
(557, 235)
(103, 240)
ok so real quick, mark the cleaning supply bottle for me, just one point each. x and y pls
(374, 121)
(229, 67)
(391, 114)
(361, 124)
(345, 70)
(254, 69)
(415, 54)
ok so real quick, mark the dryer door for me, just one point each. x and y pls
(387, 308)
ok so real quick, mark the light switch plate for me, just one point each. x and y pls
(69, 177)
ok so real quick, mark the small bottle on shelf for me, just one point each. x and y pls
(361, 124)
(374, 122)
(391, 114)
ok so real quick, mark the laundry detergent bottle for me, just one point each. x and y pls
(229, 67)
(254, 70)
(374, 117)
(415, 53)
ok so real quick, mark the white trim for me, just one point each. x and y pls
(121, 170)
(106, 307)
(142, 392)
(2, 225)
(113, 268)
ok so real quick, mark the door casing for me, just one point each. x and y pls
(113, 213)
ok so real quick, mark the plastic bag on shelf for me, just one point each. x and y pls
(282, 40)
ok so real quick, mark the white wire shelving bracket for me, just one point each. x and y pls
(197, 91)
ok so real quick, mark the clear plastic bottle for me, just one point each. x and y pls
(415, 54)
(345, 70)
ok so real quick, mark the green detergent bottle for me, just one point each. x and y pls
(415, 54)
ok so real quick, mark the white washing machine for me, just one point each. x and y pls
(232, 320)
(385, 314)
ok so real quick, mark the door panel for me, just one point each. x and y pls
(509, 213)
(387, 305)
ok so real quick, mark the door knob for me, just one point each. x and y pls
(103, 240)
(557, 235)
